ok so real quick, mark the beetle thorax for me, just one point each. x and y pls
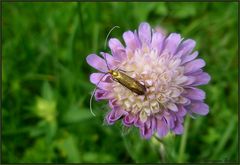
(113, 73)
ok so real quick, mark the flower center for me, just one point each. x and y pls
(162, 76)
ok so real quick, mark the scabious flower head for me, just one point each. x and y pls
(169, 69)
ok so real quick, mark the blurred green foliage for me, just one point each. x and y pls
(46, 88)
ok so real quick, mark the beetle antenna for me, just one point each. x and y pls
(90, 101)
(105, 45)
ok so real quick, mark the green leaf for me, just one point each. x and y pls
(34, 153)
(47, 91)
(68, 148)
(77, 114)
(183, 10)
(161, 9)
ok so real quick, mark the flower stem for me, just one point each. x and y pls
(157, 138)
(181, 155)
(161, 148)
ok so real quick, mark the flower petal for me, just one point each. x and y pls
(102, 95)
(170, 120)
(190, 80)
(130, 40)
(146, 131)
(181, 80)
(157, 41)
(194, 65)
(188, 58)
(138, 123)
(143, 116)
(113, 104)
(181, 111)
(162, 128)
(110, 61)
(117, 49)
(105, 86)
(144, 33)
(154, 124)
(97, 62)
(194, 93)
(201, 79)
(199, 108)
(172, 107)
(178, 129)
(129, 119)
(185, 48)
(97, 77)
(114, 115)
(172, 42)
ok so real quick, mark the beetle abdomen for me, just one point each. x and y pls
(129, 82)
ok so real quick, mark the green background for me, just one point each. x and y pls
(46, 88)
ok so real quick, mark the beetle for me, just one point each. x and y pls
(128, 82)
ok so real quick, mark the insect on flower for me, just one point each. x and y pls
(128, 82)
(154, 83)
(122, 78)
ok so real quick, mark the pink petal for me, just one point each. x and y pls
(190, 80)
(110, 61)
(159, 116)
(172, 42)
(194, 93)
(144, 33)
(182, 80)
(129, 119)
(138, 123)
(117, 49)
(114, 115)
(113, 103)
(185, 48)
(188, 58)
(154, 124)
(130, 40)
(146, 131)
(102, 95)
(148, 123)
(181, 111)
(96, 77)
(196, 73)
(194, 65)
(162, 128)
(105, 86)
(169, 120)
(178, 129)
(97, 62)
(172, 107)
(157, 41)
(199, 108)
(201, 79)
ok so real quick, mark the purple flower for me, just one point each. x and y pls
(166, 66)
